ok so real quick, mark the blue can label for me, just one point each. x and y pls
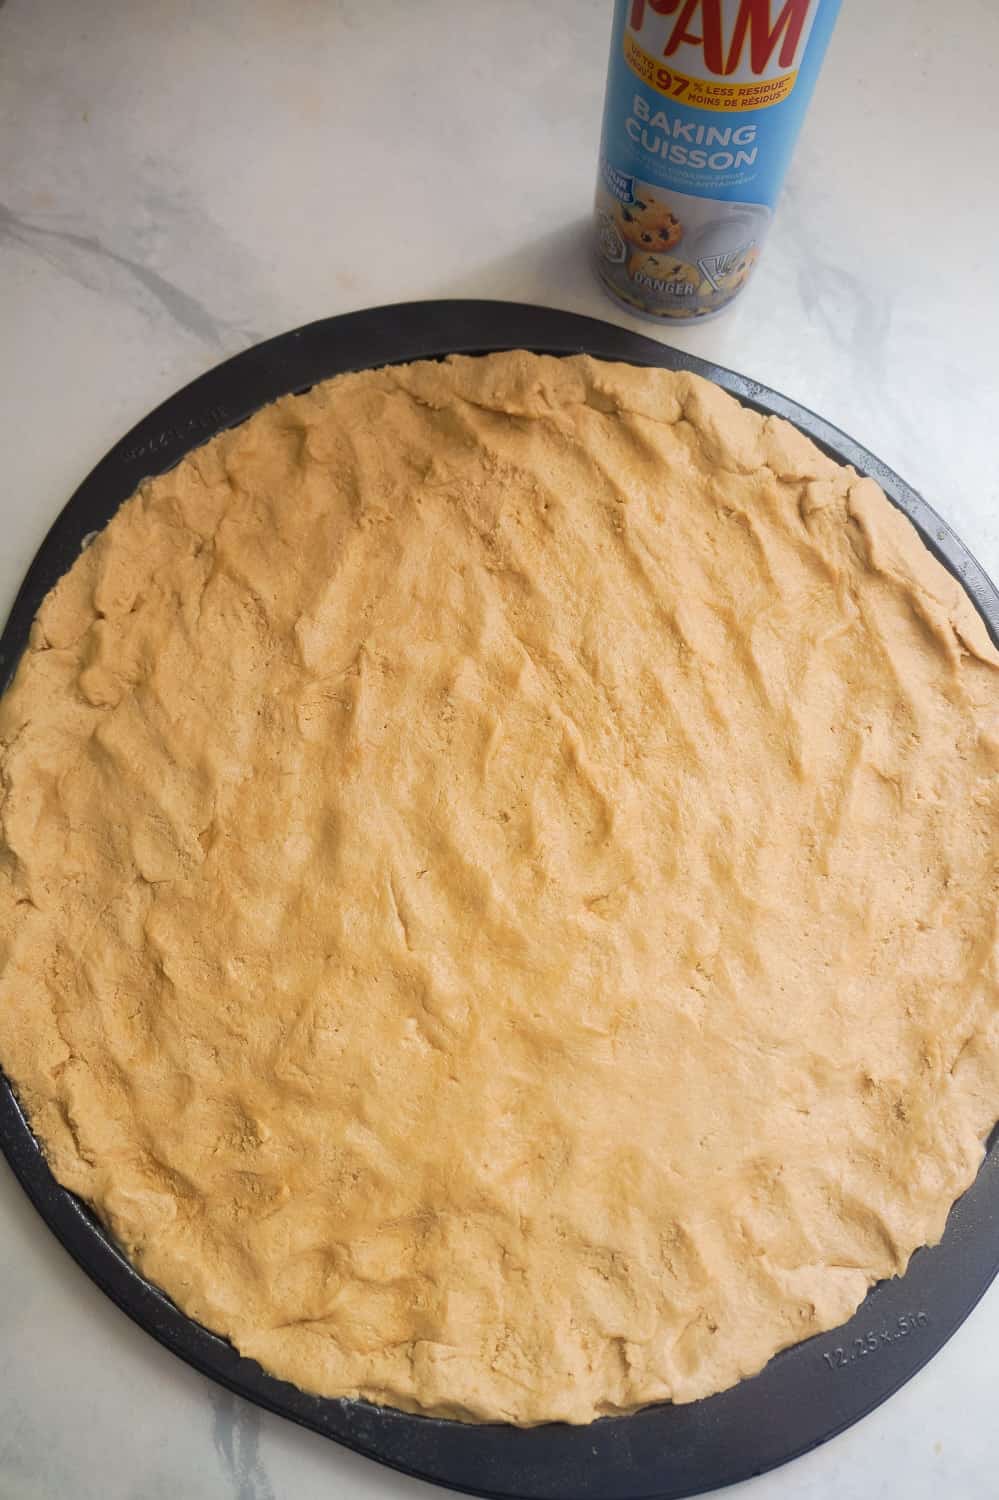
(704, 102)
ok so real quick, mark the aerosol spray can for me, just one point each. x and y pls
(704, 102)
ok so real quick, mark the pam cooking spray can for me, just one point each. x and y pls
(705, 99)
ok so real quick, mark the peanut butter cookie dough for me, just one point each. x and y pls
(498, 887)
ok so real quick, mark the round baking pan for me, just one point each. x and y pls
(805, 1394)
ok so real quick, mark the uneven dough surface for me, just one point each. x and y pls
(498, 887)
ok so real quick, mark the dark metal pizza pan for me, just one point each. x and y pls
(806, 1394)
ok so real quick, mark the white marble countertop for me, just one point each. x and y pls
(180, 180)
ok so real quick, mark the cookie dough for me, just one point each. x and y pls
(498, 887)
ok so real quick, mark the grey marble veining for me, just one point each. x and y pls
(179, 181)
(236, 1435)
(84, 259)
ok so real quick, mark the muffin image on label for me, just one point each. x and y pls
(674, 256)
(647, 225)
